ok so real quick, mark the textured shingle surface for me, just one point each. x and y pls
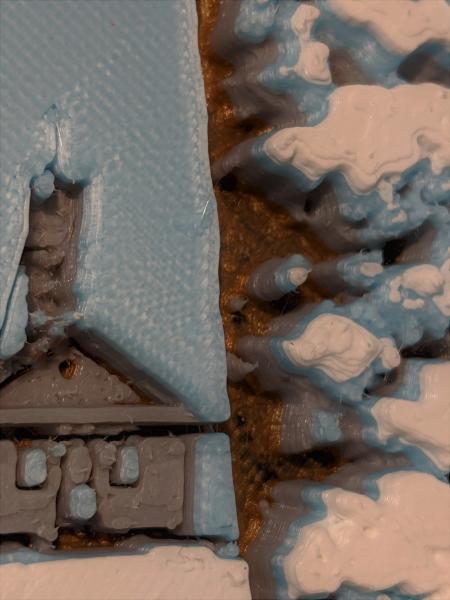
(111, 93)
(214, 503)
(12, 334)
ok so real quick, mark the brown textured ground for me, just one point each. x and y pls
(252, 231)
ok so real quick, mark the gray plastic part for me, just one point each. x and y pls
(418, 245)
(262, 283)
(187, 527)
(277, 521)
(103, 421)
(237, 369)
(301, 405)
(295, 435)
(352, 476)
(48, 397)
(326, 275)
(80, 488)
(29, 511)
(67, 379)
(50, 252)
(156, 500)
(237, 303)
(76, 471)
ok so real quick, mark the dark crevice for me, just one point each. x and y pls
(228, 183)
(392, 251)
(426, 66)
